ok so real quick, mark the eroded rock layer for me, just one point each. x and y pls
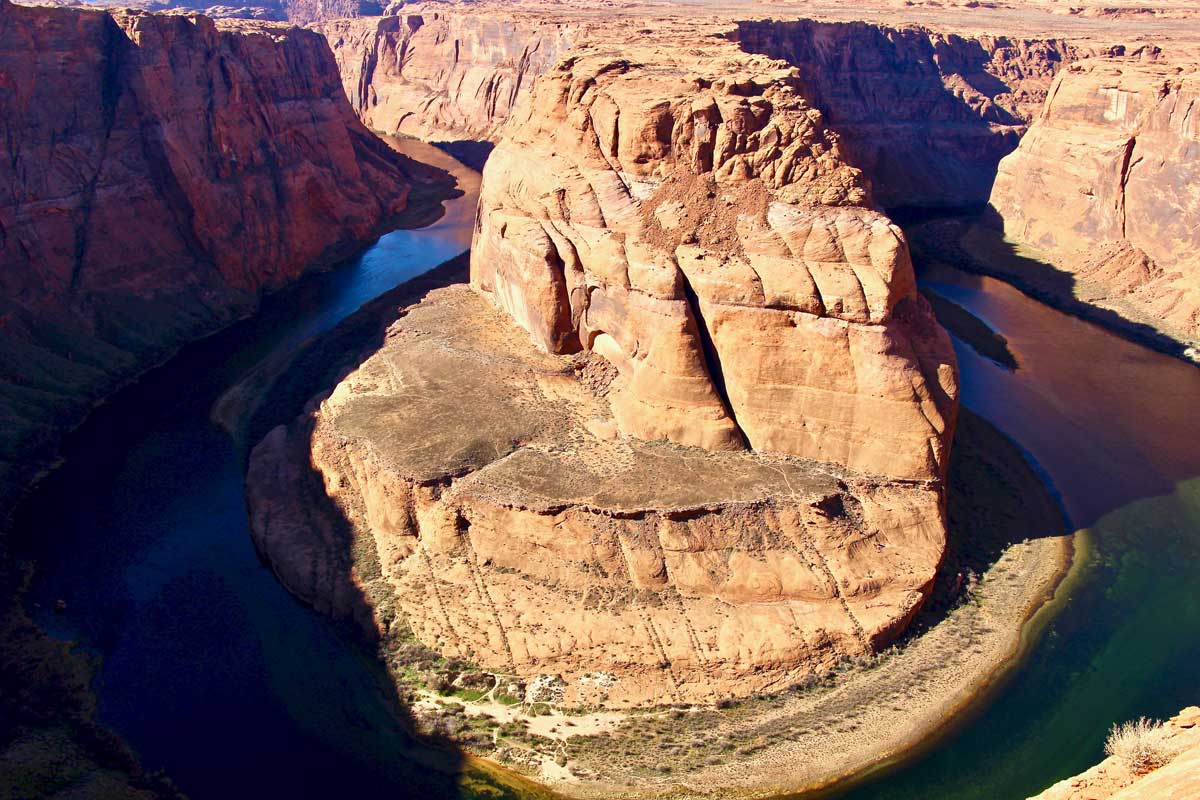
(442, 75)
(160, 173)
(927, 115)
(686, 214)
(1107, 182)
(470, 489)
(1112, 779)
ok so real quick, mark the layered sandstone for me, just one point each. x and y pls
(717, 469)
(475, 492)
(926, 114)
(161, 173)
(443, 75)
(691, 219)
(1105, 184)
(1112, 780)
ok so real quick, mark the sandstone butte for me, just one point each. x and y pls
(716, 468)
(926, 110)
(1107, 183)
(161, 173)
(1112, 780)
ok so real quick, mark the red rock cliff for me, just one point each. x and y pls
(926, 115)
(160, 173)
(1105, 184)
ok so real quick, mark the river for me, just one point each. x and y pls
(212, 672)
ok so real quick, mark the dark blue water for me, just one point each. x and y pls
(209, 669)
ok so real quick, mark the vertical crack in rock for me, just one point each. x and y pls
(712, 357)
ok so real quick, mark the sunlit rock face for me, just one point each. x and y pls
(466, 488)
(691, 219)
(161, 172)
(1107, 183)
(443, 74)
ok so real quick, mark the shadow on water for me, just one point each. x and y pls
(974, 242)
(207, 667)
(469, 151)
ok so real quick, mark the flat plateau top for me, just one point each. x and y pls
(458, 391)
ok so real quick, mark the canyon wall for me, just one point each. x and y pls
(441, 75)
(926, 115)
(160, 173)
(692, 220)
(1106, 184)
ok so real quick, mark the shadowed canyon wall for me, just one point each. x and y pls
(160, 173)
(926, 115)
(1107, 183)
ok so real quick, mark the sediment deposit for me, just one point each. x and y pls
(162, 172)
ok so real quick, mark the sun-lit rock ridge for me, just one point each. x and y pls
(690, 219)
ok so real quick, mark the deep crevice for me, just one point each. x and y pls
(712, 358)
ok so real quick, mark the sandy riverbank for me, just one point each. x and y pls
(1009, 553)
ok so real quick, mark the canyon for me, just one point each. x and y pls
(163, 172)
(673, 445)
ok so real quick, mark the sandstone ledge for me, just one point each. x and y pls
(1177, 780)
(515, 529)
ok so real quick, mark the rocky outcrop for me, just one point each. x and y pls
(443, 75)
(691, 219)
(699, 271)
(469, 490)
(927, 115)
(1105, 184)
(161, 172)
(1112, 780)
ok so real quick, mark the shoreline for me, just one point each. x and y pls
(845, 725)
(849, 727)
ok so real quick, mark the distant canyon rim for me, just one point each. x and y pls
(680, 443)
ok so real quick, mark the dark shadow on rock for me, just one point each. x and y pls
(339, 573)
(469, 151)
(882, 90)
(995, 499)
(937, 237)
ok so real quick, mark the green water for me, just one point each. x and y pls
(1114, 427)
